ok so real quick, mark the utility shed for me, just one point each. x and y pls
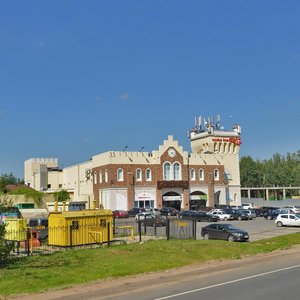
(73, 228)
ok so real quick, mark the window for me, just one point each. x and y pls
(192, 174)
(148, 175)
(216, 174)
(49, 186)
(100, 176)
(138, 175)
(167, 171)
(201, 174)
(120, 175)
(106, 176)
(176, 170)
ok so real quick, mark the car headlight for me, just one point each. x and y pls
(238, 234)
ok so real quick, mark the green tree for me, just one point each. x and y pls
(5, 246)
(6, 179)
(62, 195)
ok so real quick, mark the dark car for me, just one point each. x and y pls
(169, 211)
(237, 214)
(134, 211)
(224, 232)
(154, 221)
(199, 216)
(272, 215)
(120, 214)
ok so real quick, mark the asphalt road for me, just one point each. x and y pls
(270, 277)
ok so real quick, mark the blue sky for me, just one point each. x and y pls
(78, 78)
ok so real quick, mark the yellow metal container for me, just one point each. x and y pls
(15, 229)
(71, 228)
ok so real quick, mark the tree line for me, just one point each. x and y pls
(280, 170)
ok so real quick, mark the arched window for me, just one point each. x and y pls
(120, 175)
(148, 175)
(167, 171)
(216, 174)
(176, 171)
(106, 176)
(95, 178)
(100, 176)
(192, 174)
(201, 174)
(138, 175)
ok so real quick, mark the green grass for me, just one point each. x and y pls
(40, 273)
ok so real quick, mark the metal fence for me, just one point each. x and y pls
(33, 241)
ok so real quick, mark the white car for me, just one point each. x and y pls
(144, 215)
(246, 206)
(295, 209)
(222, 215)
(287, 220)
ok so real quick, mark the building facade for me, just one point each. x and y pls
(168, 176)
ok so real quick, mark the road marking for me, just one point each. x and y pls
(228, 282)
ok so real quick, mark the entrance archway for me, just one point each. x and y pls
(172, 199)
(198, 200)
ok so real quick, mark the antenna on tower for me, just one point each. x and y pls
(200, 123)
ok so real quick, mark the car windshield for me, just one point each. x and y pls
(230, 227)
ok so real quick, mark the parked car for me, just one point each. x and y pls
(120, 214)
(271, 215)
(169, 211)
(134, 211)
(237, 214)
(154, 221)
(246, 205)
(155, 211)
(224, 232)
(221, 214)
(295, 209)
(266, 209)
(287, 220)
(250, 213)
(199, 216)
(144, 215)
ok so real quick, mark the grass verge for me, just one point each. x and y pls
(40, 273)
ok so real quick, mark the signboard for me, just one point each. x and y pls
(171, 198)
(234, 140)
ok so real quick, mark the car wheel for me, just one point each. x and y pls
(239, 218)
(225, 219)
(206, 236)
(269, 218)
(231, 238)
(279, 224)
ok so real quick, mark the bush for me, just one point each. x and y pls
(5, 247)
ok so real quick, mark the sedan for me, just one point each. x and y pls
(224, 232)
(287, 220)
(120, 214)
(154, 221)
(144, 215)
(199, 216)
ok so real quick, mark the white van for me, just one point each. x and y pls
(246, 205)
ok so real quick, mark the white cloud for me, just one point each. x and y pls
(38, 44)
(124, 96)
(99, 99)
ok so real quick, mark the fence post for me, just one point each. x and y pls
(168, 229)
(194, 229)
(140, 229)
(27, 241)
(108, 234)
(71, 238)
